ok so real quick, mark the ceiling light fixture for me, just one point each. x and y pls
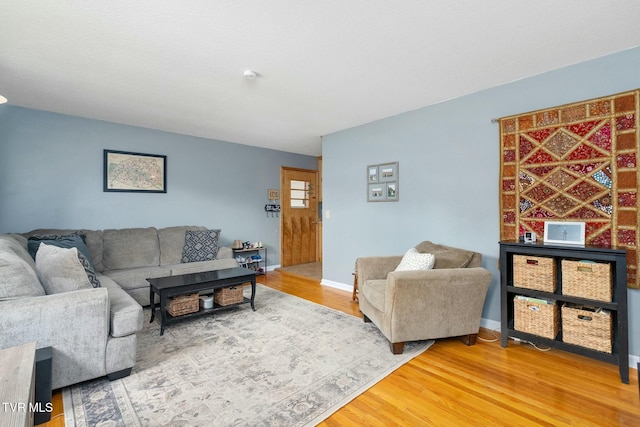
(3, 100)
(250, 74)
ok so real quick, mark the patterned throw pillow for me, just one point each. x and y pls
(88, 269)
(414, 260)
(200, 245)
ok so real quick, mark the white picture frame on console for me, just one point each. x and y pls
(564, 233)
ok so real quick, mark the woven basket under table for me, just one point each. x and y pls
(587, 327)
(535, 318)
(183, 304)
(228, 296)
(590, 280)
(533, 272)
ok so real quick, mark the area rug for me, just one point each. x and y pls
(289, 363)
(576, 162)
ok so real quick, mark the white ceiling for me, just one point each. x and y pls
(324, 65)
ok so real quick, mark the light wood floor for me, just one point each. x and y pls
(484, 385)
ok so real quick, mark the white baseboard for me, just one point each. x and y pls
(272, 267)
(337, 285)
(633, 361)
(490, 324)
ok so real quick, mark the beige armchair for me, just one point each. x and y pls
(445, 301)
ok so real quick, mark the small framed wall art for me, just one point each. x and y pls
(134, 172)
(382, 182)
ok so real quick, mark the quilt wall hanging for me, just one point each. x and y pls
(576, 162)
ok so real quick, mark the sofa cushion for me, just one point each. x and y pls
(199, 267)
(133, 278)
(130, 248)
(17, 278)
(172, 243)
(446, 256)
(126, 315)
(414, 260)
(200, 245)
(60, 269)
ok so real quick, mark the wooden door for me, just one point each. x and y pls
(299, 216)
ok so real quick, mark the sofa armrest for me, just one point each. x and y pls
(75, 324)
(372, 268)
(450, 301)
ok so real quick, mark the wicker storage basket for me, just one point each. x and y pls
(587, 327)
(183, 304)
(535, 318)
(228, 296)
(534, 272)
(584, 279)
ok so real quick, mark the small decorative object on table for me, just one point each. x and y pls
(206, 301)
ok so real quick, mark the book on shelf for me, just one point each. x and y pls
(536, 300)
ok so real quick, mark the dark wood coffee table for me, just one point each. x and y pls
(183, 284)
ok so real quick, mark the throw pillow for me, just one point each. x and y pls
(73, 240)
(60, 269)
(414, 260)
(200, 245)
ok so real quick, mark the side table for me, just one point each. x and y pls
(17, 384)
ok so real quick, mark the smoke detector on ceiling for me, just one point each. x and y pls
(250, 74)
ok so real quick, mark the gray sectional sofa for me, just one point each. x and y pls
(92, 331)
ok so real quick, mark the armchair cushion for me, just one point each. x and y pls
(374, 293)
(446, 257)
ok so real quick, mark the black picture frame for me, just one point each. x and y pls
(130, 172)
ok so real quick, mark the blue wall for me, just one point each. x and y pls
(448, 158)
(51, 176)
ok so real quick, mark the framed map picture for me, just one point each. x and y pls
(134, 172)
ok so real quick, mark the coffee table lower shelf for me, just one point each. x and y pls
(201, 311)
(172, 286)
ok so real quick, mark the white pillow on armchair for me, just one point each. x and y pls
(414, 260)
